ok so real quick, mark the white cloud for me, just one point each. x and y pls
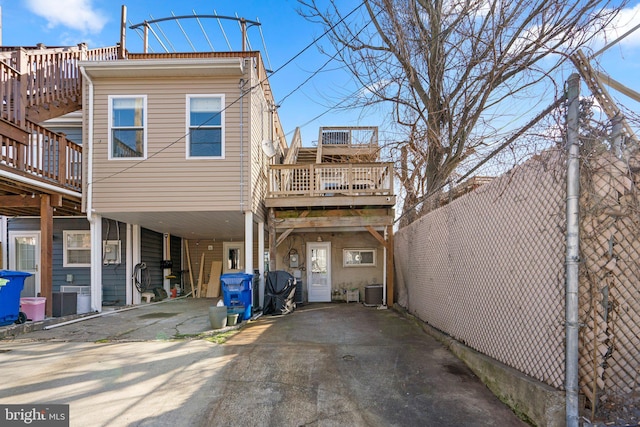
(625, 21)
(73, 14)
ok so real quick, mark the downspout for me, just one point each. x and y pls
(384, 269)
(242, 83)
(90, 146)
(573, 252)
(96, 246)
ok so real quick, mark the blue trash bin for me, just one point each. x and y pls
(236, 291)
(10, 296)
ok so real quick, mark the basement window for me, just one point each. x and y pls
(359, 257)
(77, 248)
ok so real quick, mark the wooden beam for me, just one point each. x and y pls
(201, 276)
(377, 235)
(56, 200)
(46, 252)
(283, 236)
(271, 226)
(389, 261)
(609, 81)
(335, 222)
(333, 213)
(286, 233)
(186, 247)
(14, 132)
(21, 201)
(328, 201)
(41, 112)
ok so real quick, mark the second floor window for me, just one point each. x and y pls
(205, 120)
(127, 127)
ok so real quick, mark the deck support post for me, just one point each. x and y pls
(46, 252)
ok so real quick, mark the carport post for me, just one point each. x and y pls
(261, 263)
(248, 242)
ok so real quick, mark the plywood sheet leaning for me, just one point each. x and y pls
(213, 290)
(186, 246)
(200, 276)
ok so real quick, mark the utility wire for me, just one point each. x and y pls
(316, 72)
(317, 39)
(502, 146)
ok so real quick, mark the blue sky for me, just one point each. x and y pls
(286, 33)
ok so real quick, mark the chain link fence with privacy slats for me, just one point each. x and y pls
(488, 269)
(610, 280)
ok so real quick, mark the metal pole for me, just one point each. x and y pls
(243, 25)
(123, 33)
(617, 136)
(573, 252)
(145, 40)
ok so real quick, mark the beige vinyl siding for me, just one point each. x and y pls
(166, 180)
(198, 247)
(260, 130)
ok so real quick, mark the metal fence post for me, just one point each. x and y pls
(573, 252)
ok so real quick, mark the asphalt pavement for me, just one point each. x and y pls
(323, 365)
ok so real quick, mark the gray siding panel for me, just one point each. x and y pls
(113, 276)
(176, 257)
(151, 255)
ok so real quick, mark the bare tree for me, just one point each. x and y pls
(449, 66)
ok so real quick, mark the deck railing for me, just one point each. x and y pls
(35, 77)
(46, 155)
(43, 76)
(349, 137)
(315, 180)
(12, 107)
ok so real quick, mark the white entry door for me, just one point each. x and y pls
(319, 271)
(24, 252)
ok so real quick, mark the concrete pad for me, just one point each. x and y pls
(325, 364)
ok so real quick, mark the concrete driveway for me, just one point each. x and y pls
(325, 365)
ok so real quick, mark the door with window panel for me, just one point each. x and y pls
(24, 250)
(319, 271)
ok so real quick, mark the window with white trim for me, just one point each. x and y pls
(127, 127)
(205, 126)
(76, 248)
(358, 257)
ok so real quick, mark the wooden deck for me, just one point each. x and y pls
(36, 84)
(331, 184)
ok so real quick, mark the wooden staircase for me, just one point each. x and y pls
(307, 155)
(36, 84)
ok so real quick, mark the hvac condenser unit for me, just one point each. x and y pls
(84, 297)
